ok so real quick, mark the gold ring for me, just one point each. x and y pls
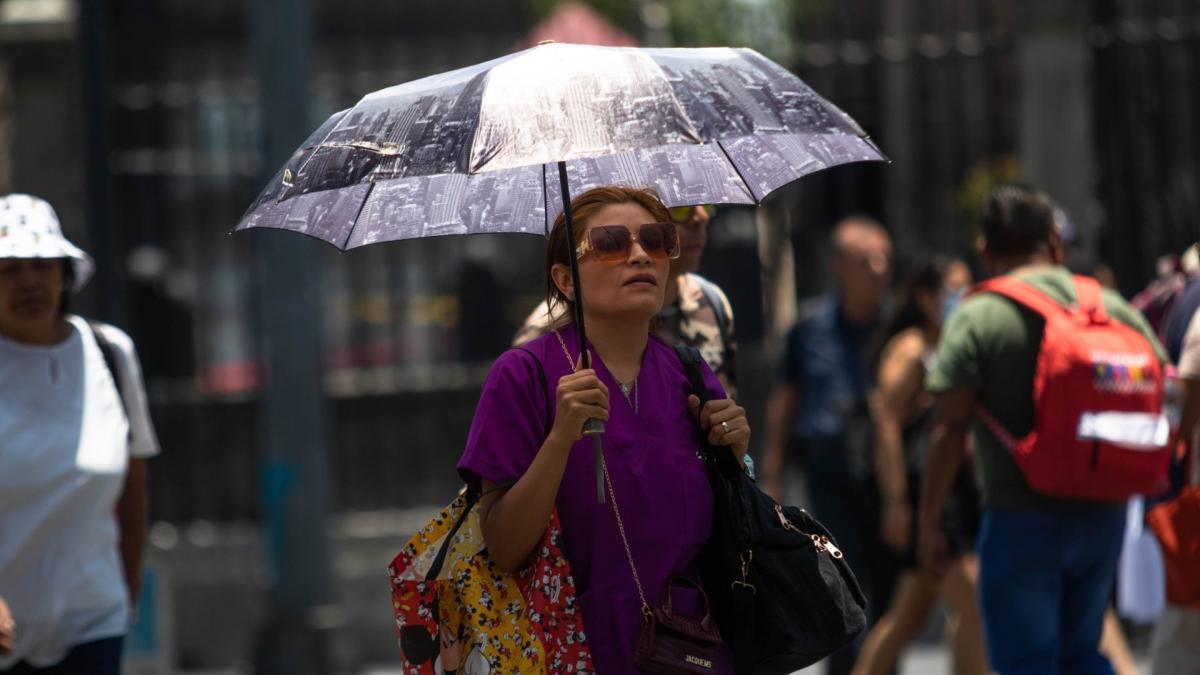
(725, 426)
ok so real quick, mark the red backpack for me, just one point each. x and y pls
(1099, 432)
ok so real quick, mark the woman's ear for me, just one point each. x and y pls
(561, 275)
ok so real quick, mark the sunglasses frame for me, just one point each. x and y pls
(586, 246)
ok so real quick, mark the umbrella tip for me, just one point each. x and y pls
(546, 42)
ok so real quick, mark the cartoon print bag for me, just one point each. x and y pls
(458, 613)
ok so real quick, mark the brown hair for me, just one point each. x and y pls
(584, 206)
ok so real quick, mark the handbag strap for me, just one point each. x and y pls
(612, 499)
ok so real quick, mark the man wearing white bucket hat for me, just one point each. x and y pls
(75, 432)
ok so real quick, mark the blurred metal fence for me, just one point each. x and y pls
(939, 84)
(1147, 108)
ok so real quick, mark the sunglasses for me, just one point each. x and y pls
(611, 244)
(681, 213)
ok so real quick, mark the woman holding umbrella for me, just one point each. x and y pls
(526, 451)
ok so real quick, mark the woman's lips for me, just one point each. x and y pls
(642, 279)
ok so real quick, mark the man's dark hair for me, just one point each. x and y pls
(1017, 220)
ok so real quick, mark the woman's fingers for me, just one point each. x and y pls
(738, 433)
(727, 413)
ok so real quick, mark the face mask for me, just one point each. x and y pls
(950, 300)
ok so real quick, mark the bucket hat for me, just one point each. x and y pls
(29, 228)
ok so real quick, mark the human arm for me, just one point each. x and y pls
(514, 519)
(953, 411)
(131, 513)
(900, 378)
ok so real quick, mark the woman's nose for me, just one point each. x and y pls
(638, 254)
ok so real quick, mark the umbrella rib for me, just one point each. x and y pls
(354, 223)
(757, 199)
(545, 205)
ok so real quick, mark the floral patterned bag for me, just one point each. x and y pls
(457, 613)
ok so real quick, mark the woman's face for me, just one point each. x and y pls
(632, 288)
(30, 293)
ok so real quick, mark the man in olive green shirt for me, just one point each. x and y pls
(1046, 564)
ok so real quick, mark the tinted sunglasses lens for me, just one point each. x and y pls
(610, 243)
(660, 240)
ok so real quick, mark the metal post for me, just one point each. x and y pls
(101, 243)
(294, 471)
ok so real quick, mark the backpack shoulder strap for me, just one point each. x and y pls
(713, 295)
(1021, 293)
(109, 352)
(1090, 297)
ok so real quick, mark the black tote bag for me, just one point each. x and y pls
(782, 593)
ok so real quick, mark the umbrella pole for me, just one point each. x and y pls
(592, 427)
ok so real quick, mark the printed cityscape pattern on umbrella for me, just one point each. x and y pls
(474, 150)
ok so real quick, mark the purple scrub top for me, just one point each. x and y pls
(660, 484)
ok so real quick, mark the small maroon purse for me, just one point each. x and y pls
(670, 643)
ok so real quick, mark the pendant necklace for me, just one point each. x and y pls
(626, 388)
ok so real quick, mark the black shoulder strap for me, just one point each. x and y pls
(691, 359)
(110, 359)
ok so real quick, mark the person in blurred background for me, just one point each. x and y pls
(900, 412)
(1047, 563)
(75, 433)
(819, 410)
(526, 452)
(695, 312)
(1175, 647)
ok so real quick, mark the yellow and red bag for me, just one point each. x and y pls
(456, 612)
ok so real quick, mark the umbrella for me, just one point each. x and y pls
(497, 147)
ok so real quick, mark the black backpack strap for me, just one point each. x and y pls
(108, 351)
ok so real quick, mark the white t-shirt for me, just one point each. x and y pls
(65, 443)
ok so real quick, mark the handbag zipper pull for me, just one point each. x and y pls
(831, 547)
(787, 524)
(820, 546)
(746, 558)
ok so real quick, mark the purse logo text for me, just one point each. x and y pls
(703, 663)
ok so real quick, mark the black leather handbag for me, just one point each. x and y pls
(780, 589)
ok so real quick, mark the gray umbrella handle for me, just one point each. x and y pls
(595, 428)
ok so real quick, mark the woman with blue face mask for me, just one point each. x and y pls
(900, 412)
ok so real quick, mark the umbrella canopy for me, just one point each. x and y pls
(475, 150)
